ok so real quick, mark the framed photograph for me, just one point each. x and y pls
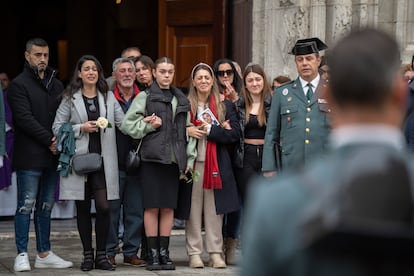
(208, 117)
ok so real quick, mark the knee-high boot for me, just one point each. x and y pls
(165, 260)
(153, 260)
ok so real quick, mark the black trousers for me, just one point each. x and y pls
(252, 168)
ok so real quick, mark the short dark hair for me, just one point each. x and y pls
(146, 60)
(35, 41)
(133, 48)
(281, 79)
(363, 66)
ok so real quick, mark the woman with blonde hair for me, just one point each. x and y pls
(254, 108)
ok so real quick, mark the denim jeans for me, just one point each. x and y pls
(35, 188)
(130, 194)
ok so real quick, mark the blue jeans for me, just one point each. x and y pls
(130, 194)
(35, 188)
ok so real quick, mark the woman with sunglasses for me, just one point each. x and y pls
(85, 99)
(230, 83)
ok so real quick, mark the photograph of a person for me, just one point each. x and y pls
(208, 117)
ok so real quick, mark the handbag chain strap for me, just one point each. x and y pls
(139, 145)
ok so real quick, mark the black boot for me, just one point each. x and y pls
(88, 259)
(166, 263)
(101, 261)
(153, 260)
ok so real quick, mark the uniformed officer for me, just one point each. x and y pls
(298, 126)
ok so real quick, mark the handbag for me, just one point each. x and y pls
(133, 160)
(238, 155)
(238, 151)
(86, 163)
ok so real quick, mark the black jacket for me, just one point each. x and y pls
(171, 136)
(34, 103)
(124, 142)
(227, 199)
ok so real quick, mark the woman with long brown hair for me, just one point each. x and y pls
(215, 191)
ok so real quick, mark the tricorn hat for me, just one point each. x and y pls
(308, 46)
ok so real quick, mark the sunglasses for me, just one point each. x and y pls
(91, 105)
(221, 73)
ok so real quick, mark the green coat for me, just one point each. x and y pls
(300, 128)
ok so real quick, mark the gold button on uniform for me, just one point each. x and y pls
(307, 129)
(308, 119)
(308, 109)
(288, 111)
(307, 142)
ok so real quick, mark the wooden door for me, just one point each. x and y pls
(191, 32)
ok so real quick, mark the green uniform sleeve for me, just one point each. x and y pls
(272, 135)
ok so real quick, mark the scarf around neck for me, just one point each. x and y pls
(212, 178)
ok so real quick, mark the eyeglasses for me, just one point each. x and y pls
(91, 105)
(221, 73)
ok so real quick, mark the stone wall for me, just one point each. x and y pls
(277, 24)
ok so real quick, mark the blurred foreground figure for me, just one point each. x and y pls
(350, 211)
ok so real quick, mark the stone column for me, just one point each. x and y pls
(404, 20)
(318, 19)
(276, 27)
(364, 13)
(339, 19)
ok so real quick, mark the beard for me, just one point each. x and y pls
(41, 68)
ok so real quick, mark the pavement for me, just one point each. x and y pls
(66, 243)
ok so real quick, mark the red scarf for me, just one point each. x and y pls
(118, 95)
(212, 178)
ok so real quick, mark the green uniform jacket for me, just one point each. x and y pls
(300, 128)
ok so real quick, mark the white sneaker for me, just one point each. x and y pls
(52, 261)
(21, 263)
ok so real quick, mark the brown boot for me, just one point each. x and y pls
(231, 246)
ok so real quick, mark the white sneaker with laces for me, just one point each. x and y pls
(21, 263)
(52, 261)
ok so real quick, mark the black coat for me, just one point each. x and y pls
(227, 199)
(34, 103)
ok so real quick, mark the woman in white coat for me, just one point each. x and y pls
(84, 101)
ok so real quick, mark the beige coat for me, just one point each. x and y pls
(72, 109)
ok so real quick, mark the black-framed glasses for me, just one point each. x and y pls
(91, 105)
(221, 73)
